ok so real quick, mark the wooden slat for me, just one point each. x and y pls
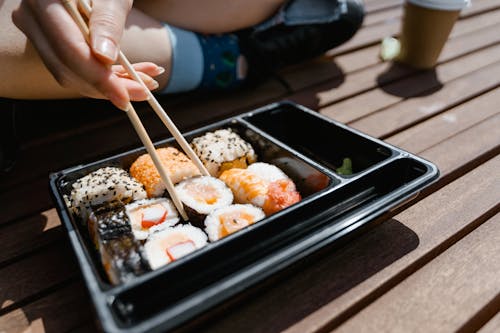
(479, 7)
(475, 23)
(371, 6)
(488, 7)
(327, 93)
(62, 310)
(447, 124)
(444, 294)
(382, 17)
(478, 140)
(334, 69)
(421, 83)
(338, 285)
(35, 198)
(29, 234)
(492, 326)
(375, 33)
(411, 111)
(35, 274)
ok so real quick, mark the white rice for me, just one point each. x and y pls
(268, 172)
(185, 189)
(155, 249)
(103, 185)
(141, 233)
(213, 224)
(224, 145)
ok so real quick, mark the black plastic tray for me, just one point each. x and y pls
(308, 147)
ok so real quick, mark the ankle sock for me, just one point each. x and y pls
(208, 62)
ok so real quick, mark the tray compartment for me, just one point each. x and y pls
(324, 141)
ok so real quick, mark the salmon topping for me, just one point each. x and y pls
(281, 194)
(233, 222)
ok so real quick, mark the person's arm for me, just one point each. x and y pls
(66, 54)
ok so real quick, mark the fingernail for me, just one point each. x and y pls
(105, 47)
(160, 70)
(154, 84)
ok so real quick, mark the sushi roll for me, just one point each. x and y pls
(201, 195)
(151, 215)
(227, 220)
(108, 221)
(263, 185)
(123, 258)
(103, 185)
(171, 244)
(121, 253)
(178, 166)
(222, 150)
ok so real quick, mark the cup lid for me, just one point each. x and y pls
(441, 4)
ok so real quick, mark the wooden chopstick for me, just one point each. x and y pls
(153, 102)
(134, 119)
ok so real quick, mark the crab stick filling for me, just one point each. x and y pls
(150, 216)
(177, 245)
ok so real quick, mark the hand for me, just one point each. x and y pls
(72, 62)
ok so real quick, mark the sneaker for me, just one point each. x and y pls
(283, 45)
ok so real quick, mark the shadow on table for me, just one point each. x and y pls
(39, 278)
(422, 83)
(320, 280)
(309, 94)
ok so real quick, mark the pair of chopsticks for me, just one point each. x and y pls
(132, 114)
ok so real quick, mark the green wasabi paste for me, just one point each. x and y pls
(346, 168)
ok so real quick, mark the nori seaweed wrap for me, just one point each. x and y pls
(123, 258)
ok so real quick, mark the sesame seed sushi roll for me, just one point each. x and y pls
(172, 244)
(227, 220)
(151, 215)
(103, 185)
(123, 258)
(222, 150)
(178, 166)
(263, 185)
(201, 195)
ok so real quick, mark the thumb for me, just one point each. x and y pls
(106, 27)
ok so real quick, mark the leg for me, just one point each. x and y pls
(210, 16)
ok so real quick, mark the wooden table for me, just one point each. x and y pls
(433, 267)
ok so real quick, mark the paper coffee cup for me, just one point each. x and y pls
(425, 29)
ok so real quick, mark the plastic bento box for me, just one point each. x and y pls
(309, 148)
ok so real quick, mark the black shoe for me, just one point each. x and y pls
(283, 45)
